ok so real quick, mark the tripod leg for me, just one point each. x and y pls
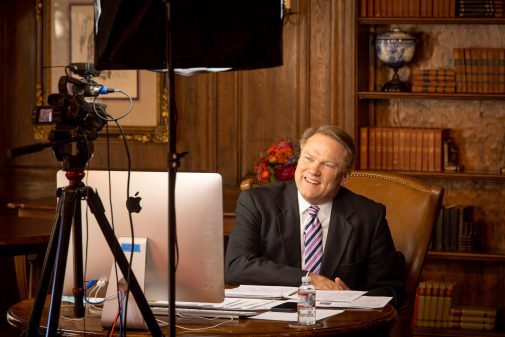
(96, 207)
(71, 198)
(78, 290)
(33, 326)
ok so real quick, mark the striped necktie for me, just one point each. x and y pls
(313, 240)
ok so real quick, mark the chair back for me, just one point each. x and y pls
(412, 208)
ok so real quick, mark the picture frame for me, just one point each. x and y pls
(61, 24)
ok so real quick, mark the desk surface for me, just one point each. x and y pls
(374, 322)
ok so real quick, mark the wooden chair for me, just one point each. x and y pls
(412, 208)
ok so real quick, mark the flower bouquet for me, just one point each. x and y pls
(278, 162)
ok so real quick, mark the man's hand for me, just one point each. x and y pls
(323, 283)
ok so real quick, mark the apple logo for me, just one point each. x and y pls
(133, 204)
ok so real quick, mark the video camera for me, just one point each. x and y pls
(69, 110)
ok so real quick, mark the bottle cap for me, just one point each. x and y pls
(306, 279)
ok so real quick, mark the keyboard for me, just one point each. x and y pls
(199, 312)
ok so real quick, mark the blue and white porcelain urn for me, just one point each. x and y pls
(395, 49)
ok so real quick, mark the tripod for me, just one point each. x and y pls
(68, 213)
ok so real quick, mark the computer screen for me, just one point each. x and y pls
(199, 220)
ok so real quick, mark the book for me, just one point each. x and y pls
(440, 136)
(389, 148)
(436, 8)
(371, 8)
(446, 224)
(372, 132)
(475, 69)
(459, 67)
(468, 69)
(421, 301)
(471, 325)
(440, 89)
(427, 304)
(429, 149)
(433, 73)
(434, 299)
(501, 70)
(418, 149)
(412, 139)
(414, 8)
(434, 83)
(364, 145)
(453, 218)
(447, 299)
(473, 311)
(452, 8)
(437, 321)
(465, 233)
(485, 65)
(402, 150)
(384, 148)
(423, 11)
(363, 9)
(472, 319)
(396, 148)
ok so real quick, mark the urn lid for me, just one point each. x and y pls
(395, 34)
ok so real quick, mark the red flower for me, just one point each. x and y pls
(278, 162)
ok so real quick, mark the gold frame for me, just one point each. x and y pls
(145, 134)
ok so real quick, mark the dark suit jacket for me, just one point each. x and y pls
(264, 246)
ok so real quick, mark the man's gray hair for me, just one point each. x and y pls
(337, 134)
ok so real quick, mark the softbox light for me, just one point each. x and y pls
(237, 34)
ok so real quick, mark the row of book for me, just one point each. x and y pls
(455, 230)
(480, 8)
(402, 148)
(408, 8)
(431, 8)
(471, 317)
(480, 70)
(433, 304)
(435, 308)
(433, 80)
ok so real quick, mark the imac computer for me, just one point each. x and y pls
(199, 223)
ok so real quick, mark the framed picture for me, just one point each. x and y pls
(66, 36)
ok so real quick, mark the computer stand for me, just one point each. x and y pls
(53, 270)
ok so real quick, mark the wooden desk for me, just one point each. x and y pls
(350, 323)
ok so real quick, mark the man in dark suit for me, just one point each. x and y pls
(266, 246)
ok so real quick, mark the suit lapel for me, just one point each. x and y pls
(338, 233)
(288, 224)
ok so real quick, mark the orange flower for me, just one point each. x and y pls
(278, 162)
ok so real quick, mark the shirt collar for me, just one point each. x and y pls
(324, 209)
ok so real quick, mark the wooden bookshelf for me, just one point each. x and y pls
(475, 184)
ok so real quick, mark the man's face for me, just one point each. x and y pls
(320, 169)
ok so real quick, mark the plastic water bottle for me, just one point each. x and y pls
(306, 302)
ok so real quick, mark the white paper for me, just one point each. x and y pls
(292, 316)
(336, 295)
(363, 302)
(229, 303)
(255, 291)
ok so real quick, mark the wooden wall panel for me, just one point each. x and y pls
(225, 119)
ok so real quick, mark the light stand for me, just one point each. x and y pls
(173, 162)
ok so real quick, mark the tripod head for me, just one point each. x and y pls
(74, 118)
